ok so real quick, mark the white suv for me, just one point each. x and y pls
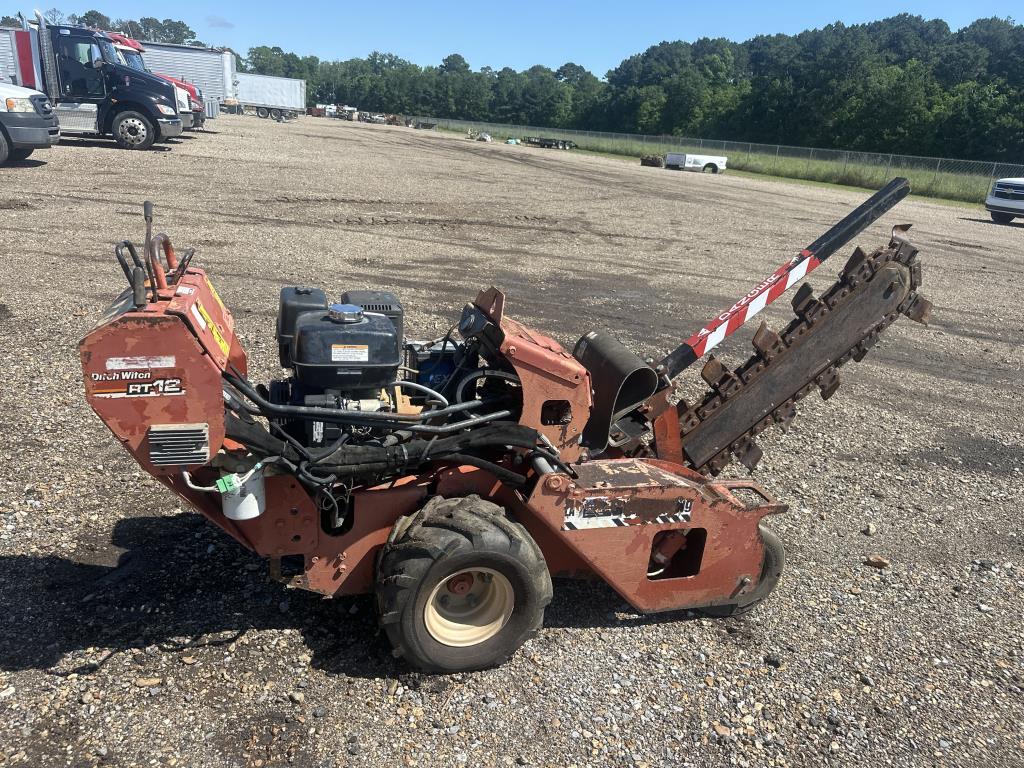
(1006, 200)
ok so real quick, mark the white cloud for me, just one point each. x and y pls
(219, 22)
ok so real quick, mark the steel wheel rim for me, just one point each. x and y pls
(469, 607)
(132, 130)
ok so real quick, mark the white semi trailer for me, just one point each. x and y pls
(269, 96)
(215, 71)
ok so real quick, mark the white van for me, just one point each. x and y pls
(1006, 200)
(684, 161)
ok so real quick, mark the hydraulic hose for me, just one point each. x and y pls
(339, 416)
(482, 373)
(420, 388)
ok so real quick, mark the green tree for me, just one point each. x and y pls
(166, 31)
(900, 84)
(93, 19)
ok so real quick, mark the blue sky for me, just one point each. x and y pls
(517, 34)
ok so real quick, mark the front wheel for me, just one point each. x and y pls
(133, 130)
(771, 570)
(1001, 218)
(461, 587)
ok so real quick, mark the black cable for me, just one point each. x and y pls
(304, 474)
(427, 447)
(341, 416)
(328, 450)
(500, 472)
(483, 373)
(444, 346)
(289, 439)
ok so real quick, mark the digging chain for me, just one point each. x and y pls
(859, 278)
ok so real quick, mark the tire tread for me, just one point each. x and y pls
(441, 528)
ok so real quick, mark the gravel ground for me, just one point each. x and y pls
(136, 634)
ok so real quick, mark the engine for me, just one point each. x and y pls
(343, 355)
(362, 404)
(351, 355)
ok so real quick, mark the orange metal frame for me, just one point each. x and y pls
(162, 365)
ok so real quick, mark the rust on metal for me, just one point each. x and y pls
(646, 518)
(547, 372)
(611, 515)
(828, 331)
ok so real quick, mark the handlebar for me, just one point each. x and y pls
(119, 252)
(150, 263)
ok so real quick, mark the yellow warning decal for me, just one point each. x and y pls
(216, 297)
(217, 335)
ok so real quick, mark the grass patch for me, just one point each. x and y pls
(929, 177)
(850, 171)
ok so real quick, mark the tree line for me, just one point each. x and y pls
(904, 84)
(146, 28)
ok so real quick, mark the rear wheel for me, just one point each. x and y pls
(460, 587)
(133, 130)
(262, 112)
(276, 114)
(18, 155)
(710, 168)
(771, 570)
(1001, 218)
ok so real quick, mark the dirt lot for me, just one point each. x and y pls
(136, 634)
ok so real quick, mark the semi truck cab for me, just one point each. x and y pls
(190, 102)
(95, 93)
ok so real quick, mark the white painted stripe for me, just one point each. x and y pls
(199, 318)
(133, 363)
(757, 304)
(583, 523)
(119, 395)
(716, 336)
(797, 272)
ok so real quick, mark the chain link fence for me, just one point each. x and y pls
(967, 180)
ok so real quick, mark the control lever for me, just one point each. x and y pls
(157, 277)
(138, 282)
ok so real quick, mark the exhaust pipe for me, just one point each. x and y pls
(49, 60)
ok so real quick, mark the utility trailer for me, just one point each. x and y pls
(269, 96)
(545, 142)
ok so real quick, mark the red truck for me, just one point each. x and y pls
(131, 51)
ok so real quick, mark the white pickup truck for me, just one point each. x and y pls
(684, 161)
(1006, 200)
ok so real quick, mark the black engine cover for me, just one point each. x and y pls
(355, 356)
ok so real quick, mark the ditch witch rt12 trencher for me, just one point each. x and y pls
(454, 477)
